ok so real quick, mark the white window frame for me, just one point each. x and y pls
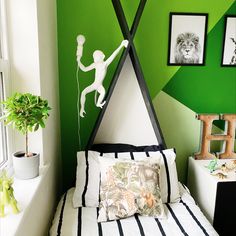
(4, 83)
(4, 139)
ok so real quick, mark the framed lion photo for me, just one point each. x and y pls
(229, 42)
(187, 38)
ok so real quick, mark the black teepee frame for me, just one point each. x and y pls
(130, 50)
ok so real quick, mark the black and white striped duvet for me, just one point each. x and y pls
(88, 175)
(183, 218)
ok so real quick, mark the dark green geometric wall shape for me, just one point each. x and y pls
(151, 40)
(210, 88)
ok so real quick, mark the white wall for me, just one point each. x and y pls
(34, 68)
(126, 115)
(24, 58)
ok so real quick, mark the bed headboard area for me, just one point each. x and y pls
(128, 115)
(123, 147)
(126, 119)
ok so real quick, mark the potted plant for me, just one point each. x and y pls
(25, 113)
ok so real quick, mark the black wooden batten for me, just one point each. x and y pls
(131, 51)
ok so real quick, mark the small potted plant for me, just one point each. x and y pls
(25, 113)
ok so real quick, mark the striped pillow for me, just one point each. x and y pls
(88, 175)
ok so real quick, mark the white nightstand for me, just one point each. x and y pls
(216, 197)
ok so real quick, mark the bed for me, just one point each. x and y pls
(74, 217)
(183, 218)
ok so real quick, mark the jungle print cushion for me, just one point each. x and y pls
(129, 187)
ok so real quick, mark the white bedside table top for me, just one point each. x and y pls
(202, 164)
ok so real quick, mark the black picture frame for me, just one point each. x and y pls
(229, 42)
(187, 39)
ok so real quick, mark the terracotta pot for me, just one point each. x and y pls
(25, 167)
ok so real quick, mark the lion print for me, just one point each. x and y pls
(187, 49)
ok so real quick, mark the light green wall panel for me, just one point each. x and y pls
(181, 130)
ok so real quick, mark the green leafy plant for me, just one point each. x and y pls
(25, 113)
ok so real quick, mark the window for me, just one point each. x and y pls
(3, 134)
(3, 84)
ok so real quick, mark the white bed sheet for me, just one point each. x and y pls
(183, 218)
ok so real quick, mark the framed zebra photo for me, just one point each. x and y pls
(229, 42)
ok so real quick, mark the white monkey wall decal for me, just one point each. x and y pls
(100, 67)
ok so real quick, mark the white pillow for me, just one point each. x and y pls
(88, 175)
(87, 180)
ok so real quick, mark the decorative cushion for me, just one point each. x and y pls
(88, 175)
(129, 187)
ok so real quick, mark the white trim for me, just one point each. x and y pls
(5, 69)
(3, 133)
(4, 73)
(4, 32)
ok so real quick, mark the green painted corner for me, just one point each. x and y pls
(181, 130)
(210, 88)
(152, 36)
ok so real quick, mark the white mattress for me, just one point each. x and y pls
(183, 218)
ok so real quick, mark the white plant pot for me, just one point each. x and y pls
(25, 167)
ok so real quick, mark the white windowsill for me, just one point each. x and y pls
(24, 191)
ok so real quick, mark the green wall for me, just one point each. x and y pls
(209, 88)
